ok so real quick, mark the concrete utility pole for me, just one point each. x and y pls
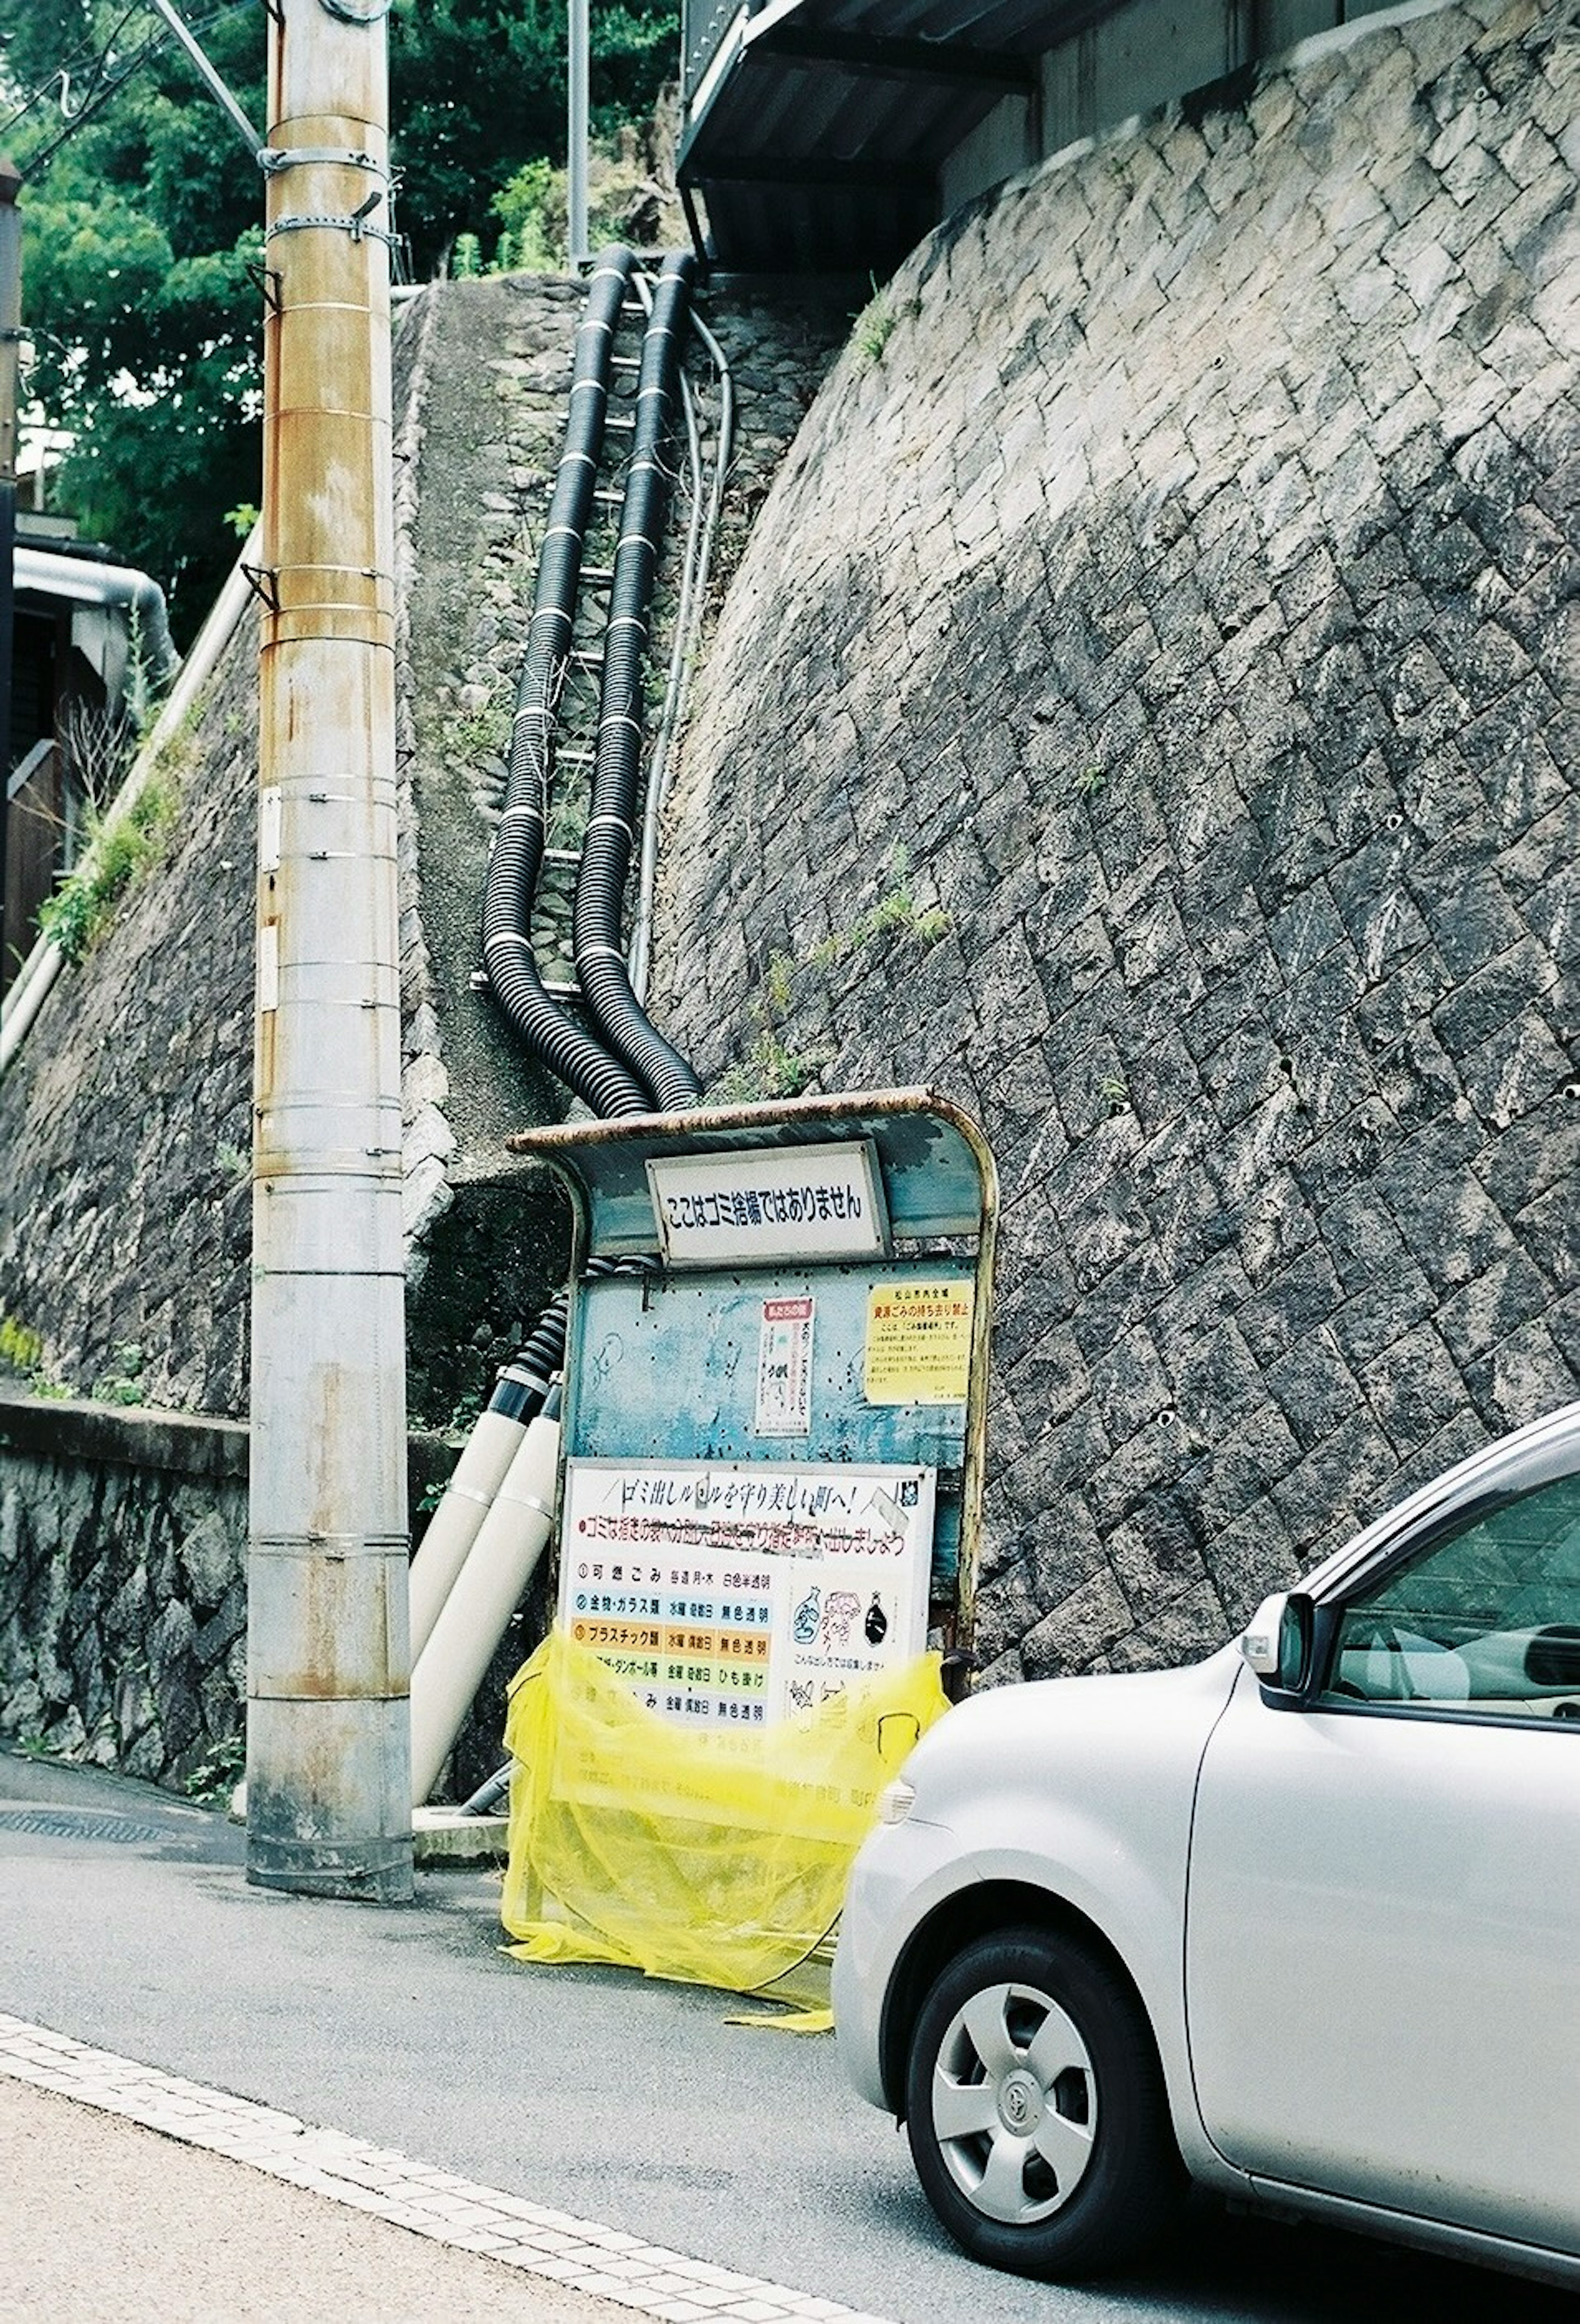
(10, 339)
(329, 1750)
(579, 41)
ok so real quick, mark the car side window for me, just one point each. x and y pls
(1486, 1619)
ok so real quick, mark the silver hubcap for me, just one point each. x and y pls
(1014, 2103)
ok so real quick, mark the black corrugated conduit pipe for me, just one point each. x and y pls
(500, 1467)
(611, 831)
(517, 858)
(520, 1387)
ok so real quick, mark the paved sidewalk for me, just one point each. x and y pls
(134, 2186)
(104, 2222)
(587, 2128)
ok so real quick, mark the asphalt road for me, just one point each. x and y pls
(126, 1921)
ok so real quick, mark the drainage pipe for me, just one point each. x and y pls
(521, 1390)
(517, 857)
(88, 581)
(485, 1593)
(610, 837)
(37, 975)
(496, 1434)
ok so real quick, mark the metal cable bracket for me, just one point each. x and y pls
(356, 225)
(268, 279)
(263, 581)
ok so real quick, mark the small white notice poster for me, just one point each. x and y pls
(784, 1368)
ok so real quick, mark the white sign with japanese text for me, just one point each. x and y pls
(729, 1593)
(767, 1205)
(784, 1368)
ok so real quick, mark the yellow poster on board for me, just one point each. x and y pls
(918, 1342)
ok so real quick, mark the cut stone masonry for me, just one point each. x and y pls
(1182, 601)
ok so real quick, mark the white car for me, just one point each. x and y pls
(1301, 1922)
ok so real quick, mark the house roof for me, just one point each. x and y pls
(816, 129)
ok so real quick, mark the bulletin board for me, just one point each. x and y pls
(774, 1413)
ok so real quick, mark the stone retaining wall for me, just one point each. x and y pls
(126, 1120)
(122, 1615)
(123, 1598)
(1146, 708)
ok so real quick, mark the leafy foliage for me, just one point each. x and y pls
(142, 217)
(117, 855)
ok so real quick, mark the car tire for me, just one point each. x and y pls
(1036, 2110)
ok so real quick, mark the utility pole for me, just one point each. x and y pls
(329, 1745)
(579, 38)
(10, 338)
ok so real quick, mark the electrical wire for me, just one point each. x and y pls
(93, 105)
(102, 54)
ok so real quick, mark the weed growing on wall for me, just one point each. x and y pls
(772, 1067)
(22, 1355)
(873, 327)
(897, 909)
(233, 1163)
(121, 1382)
(120, 851)
(217, 1772)
(483, 733)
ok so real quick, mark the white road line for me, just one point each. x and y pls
(386, 2185)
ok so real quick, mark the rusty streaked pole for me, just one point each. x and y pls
(328, 1747)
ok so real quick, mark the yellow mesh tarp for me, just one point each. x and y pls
(718, 1859)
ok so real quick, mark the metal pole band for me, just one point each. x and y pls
(273, 158)
(356, 225)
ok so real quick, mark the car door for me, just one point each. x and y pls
(1382, 1948)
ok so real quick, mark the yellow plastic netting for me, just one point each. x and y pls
(718, 1859)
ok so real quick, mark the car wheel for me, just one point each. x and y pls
(1036, 2110)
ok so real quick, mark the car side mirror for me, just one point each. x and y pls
(1276, 1643)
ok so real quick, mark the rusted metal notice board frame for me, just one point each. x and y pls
(775, 1399)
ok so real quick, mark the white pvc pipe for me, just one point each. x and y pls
(480, 1471)
(485, 1594)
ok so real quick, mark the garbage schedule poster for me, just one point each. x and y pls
(728, 1594)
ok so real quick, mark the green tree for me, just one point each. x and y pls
(143, 220)
(477, 90)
